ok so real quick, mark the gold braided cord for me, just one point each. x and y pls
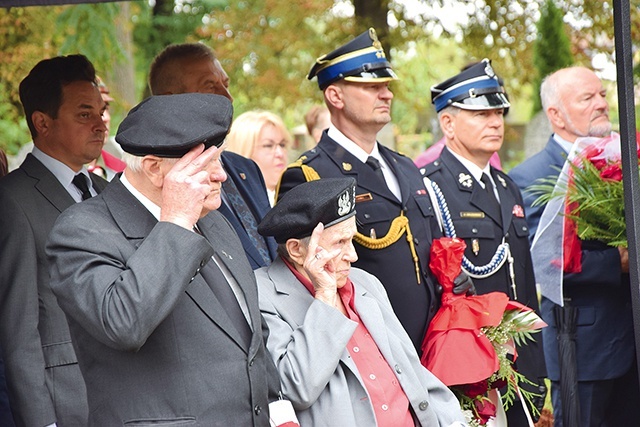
(398, 227)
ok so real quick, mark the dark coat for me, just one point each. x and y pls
(376, 207)
(469, 208)
(43, 378)
(250, 183)
(605, 340)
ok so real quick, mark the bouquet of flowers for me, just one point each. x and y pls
(594, 196)
(470, 343)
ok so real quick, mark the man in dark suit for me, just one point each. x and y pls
(483, 206)
(63, 108)
(393, 213)
(574, 101)
(194, 68)
(161, 302)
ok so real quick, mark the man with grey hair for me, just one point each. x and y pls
(574, 100)
(194, 68)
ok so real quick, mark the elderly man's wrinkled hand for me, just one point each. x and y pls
(186, 186)
(319, 267)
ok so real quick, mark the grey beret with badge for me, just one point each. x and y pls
(171, 125)
(475, 88)
(327, 200)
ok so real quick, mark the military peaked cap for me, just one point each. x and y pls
(360, 60)
(475, 88)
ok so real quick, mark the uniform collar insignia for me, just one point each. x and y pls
(346, 166)
(502, 181)
(243, 176)
(465, 179)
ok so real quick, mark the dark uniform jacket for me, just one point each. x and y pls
(469, 208)
(376, 207)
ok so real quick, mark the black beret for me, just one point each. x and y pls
(171, 125)
(475, 88)
(327, 200)
(360, 60)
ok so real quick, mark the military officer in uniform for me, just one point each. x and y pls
(482, 205)
(394, 216)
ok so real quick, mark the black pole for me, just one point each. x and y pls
(626, 106)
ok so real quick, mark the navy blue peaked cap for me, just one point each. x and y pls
(360, 60)
(475, 88)
(171, 125)
(327, 200)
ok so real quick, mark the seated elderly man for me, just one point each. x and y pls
(342, 354)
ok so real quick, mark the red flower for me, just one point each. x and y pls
(599, 163)
(476, 389)
(499, 383)
(485, 410)
(612, 173)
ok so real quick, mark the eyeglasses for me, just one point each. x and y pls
(272, 146)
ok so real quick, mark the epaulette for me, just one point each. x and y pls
(431, 168)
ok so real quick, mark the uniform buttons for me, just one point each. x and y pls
(398, 369)
(416, 241)
(385, 407)
(474, 230)
(423, 405)
(372, 376)
(202, 263)
(356, 349)
(524, 228)
(258, 409)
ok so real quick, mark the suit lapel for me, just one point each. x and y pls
(403, 179)
(507, 201)
(369, 312)
(47, 184)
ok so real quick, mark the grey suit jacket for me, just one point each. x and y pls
(43, 378)
(153, 342)
(308, 341)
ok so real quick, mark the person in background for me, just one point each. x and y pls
(342, 354)
(108, 164)
(63, 109)
(394, 215)
(574, 100)
(194, 68)
(317, 120)
(483, 207)
(6, 419)
(262, 137)
(160, 299)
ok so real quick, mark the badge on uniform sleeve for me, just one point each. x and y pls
(518, 211)
(465, 180)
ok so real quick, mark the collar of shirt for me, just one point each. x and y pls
(360, 154)
(151, 207)
(474, 169)
(566, 145)
(63, 173)
(346, 292)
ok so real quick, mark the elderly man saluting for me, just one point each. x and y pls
(161, 300)
(342, 354)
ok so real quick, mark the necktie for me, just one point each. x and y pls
(488, 188)
(375, 165)
(80, 181)
(220, 287)
(246, 217)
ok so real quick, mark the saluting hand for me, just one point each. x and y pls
(319, 265)
(186, 186)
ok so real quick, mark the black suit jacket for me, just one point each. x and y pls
(250, 183)
(376, 207)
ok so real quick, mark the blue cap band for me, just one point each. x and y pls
(442, 100)
(344, 68)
